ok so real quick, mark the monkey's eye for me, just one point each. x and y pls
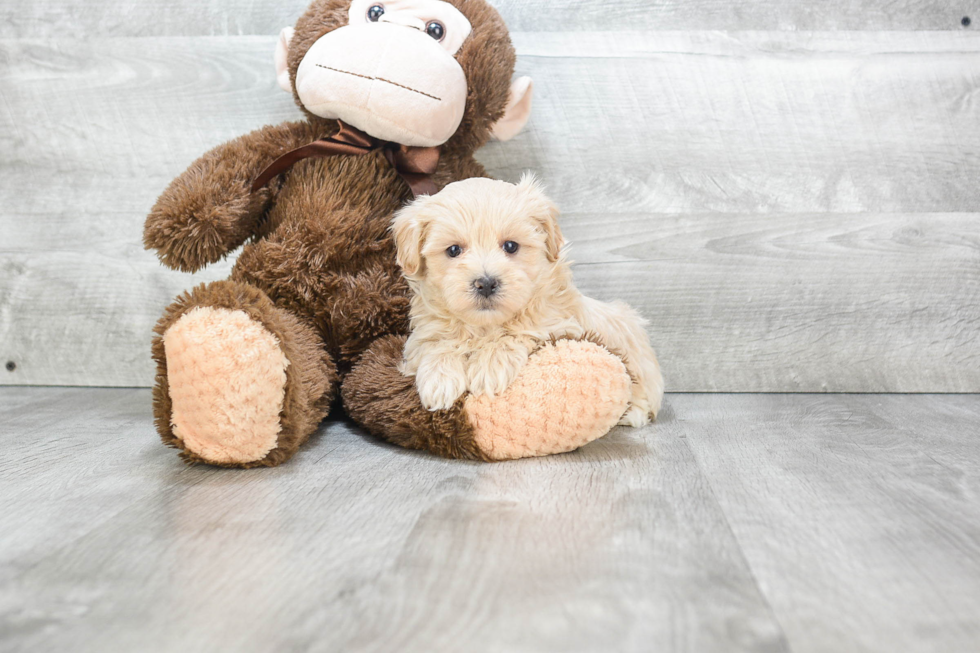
(511, 247)
(375, 13)
(453, 251)
(435, 30)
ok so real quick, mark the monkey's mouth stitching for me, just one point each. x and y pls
(382, 79)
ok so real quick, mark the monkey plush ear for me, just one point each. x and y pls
(282, 51)
(517, 112)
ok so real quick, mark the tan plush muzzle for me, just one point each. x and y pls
(391, 81)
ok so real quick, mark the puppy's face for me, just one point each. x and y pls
(479, 249)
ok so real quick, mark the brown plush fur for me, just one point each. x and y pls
(384, 401)
(208, 210)
(318, 267)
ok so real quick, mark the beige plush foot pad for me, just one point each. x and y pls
(227, 379)
(567, 395)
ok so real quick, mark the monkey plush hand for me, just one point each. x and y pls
(316, 306)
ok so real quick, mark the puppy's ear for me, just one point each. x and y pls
(408, 230)
(545, 212)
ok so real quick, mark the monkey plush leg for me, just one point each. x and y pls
(240, 382)
(568, 394)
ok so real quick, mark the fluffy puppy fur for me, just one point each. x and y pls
(480, 306)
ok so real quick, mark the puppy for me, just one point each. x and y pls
(485, 261)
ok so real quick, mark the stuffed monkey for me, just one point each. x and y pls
(397, 97)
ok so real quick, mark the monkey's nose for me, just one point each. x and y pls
(486, 286)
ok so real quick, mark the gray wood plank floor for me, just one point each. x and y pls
(737, 523)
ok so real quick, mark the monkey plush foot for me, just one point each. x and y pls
(568, 394)
(240, 382)
(227, 384)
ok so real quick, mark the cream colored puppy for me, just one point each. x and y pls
(491, 283)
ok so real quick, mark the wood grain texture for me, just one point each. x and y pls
(689, 122)
(821, 302)
(736, 523)
(801, 302)
(358, 546)
(751, 122)
(616, 15)
(61, 18)
(793, 211)
(859, 515)
(56, 439)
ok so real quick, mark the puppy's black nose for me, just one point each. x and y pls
(486, 286)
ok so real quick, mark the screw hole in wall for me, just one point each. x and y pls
(965, 22)
(11, 366)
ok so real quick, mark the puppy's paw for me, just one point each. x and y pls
(646, 400)
(491, 375)
(635, 416)
(491, 382)
(439, 391)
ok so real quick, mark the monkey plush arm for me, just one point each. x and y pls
(209, 210)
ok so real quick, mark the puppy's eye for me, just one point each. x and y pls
(453, 251)
(510, 247)
(435, 30)
(375, 13)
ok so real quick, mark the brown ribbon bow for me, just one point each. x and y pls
(414, 164)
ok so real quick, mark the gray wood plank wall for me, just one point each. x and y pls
(788, 191)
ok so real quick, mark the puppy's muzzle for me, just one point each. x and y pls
(486, 287)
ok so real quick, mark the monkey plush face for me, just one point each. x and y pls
(397, 69)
